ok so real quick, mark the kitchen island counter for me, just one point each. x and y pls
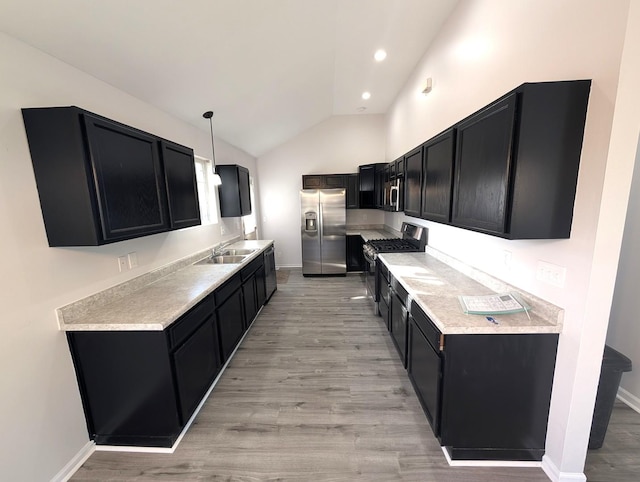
(435, 281)
(154, 305)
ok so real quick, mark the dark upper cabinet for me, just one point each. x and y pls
(313, 181)
(324, 181)
(235, 191)
(413, 182)
(437, 177)
(483, 165)
(516, 162)
(353, 192)
(371, 178)
(335, 181)
(100, 181)
(180, 177)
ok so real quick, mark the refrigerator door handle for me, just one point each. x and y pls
(321, 223)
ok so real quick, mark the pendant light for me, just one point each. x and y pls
(216, 177)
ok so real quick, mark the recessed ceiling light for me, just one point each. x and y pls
(380, 55)
(366, 95)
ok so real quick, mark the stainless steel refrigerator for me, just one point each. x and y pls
(323, 220)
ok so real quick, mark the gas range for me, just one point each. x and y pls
(414, 239)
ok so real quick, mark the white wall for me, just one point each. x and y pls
(41, 416)
(624, 325)
(337, 145)
(486, 48)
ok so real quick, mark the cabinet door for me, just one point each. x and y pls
(129, 181)
(182, 191)
(244, 187)
(413, 182)
(196, 364)
(482, 168)
(235, 191)
(261, 287)
(313, 182)
(270, 280)
(230, 323)
(250, 299)
(355, 256)
(379, 192)
(398, 323)
(425, 372)
(333, 181)
(437, 182)
(367, 186)
(353, 192)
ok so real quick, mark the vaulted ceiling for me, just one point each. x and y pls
(268, 68)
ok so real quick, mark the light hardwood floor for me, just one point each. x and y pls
(316, 392)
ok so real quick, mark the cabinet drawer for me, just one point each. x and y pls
(384, 271)
(227, 289)
(422, 321)
(401, 293)
(251, 268)
(189, 322)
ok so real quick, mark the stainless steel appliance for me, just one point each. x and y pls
(414, 239)
(323, 231)
(393, 195)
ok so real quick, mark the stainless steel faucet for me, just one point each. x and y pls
(218, 250)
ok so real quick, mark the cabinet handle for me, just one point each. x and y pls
(441, 342)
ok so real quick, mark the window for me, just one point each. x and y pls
(206, 191)
(249, 224)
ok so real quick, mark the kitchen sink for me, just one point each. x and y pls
(224, 259)
(238, 252)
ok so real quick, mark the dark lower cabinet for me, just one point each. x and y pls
(487, 397)
(230, 313)
(398, 318)
(141, 387)
(253, 288)
(424, 367)
(196, 363)
(355, 256)
(270, 281)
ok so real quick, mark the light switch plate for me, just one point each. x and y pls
(133, 260)
(123, 264)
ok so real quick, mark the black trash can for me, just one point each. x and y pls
(614, 364)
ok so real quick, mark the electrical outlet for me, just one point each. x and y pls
(123, 264)
(133, 260)
(222, 229)
(551, 273)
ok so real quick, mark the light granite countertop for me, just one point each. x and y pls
(368, 234)
(155, 305)
(434, 281)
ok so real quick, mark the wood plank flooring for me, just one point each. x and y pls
(315, 392)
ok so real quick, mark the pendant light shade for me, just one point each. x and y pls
(216, 177)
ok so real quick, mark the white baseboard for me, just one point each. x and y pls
(75, 463)
(629, 399)
(488, 463)
(556, 476)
